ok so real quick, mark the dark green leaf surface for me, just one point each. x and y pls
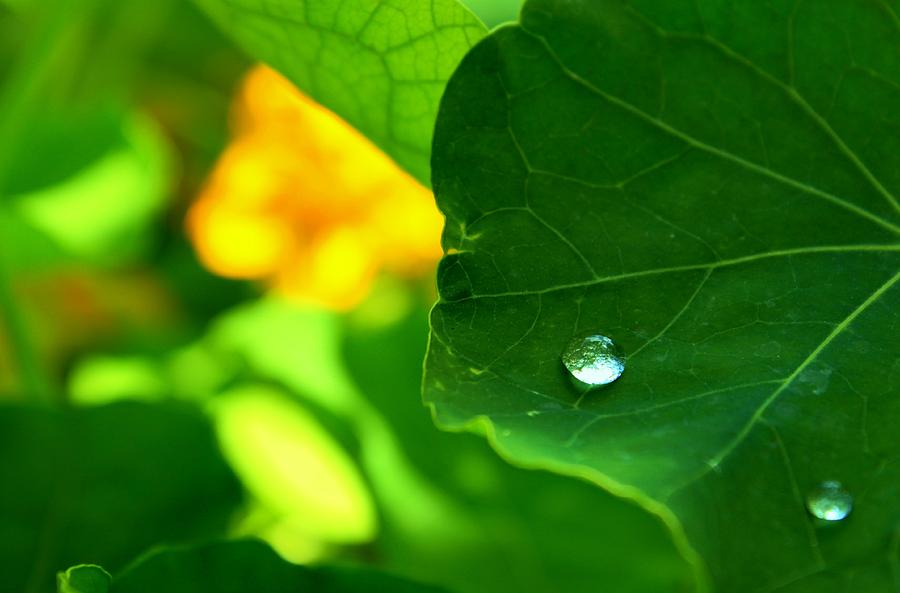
(381, 66)
(84, 578)
(714, 186)
(249, 567)
(523, 531)
(102, 485)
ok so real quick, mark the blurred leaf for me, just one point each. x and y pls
(99, 211)
(300, 348)
(62, 143)
(44, 60)
(292, 465)
(33, 249)
(102, 485)
(537, 532)
(12, 4)
(195, 372)
(248, 567)
(201, 294)
(297, 346)
(714, 185)
(105, 379)
(495, 12)
(380, 66)
(84, 578)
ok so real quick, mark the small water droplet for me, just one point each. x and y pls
(829, 501)
(594, 360)
(532, 413)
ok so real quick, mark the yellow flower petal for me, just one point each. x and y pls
(303, 202)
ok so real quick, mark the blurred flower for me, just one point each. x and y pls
(304, 203)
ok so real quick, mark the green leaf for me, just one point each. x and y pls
(714, 186)
(102, 485)
(84, 187)
(450, 511)
(245, 566)
(381, 66)
(495, 12)
(524, 531)
(94, 203)
(103, 379)
(84, 578)
(293, 466)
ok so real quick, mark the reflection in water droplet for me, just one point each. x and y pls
(829, 501)
(594, 360)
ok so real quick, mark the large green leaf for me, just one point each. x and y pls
(247, 566)
(381, 66)
(534, 532)
(713, 185)
(102, 485)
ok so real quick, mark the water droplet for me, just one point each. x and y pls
(594, 360)
(829, 501)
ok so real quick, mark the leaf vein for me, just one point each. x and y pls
(886, 248)
(713, 150)
(757, 416)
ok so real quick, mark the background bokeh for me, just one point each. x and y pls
(214, 300)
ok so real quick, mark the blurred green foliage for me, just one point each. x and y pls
(103, 485)
(239, 566)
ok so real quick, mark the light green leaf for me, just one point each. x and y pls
(381, 66)
(293, 466)
(245, 566)
(84, 187)
(102, 198)
(103, 484)
(84, 578)
(495, 12)
(103, 379)
(295, 345)
(714, 186)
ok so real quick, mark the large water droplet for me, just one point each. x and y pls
(829, 501)
(594, 360)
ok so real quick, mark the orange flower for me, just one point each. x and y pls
(304, 203)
